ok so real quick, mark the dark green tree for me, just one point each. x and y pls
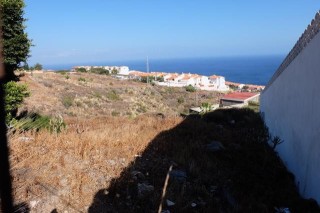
(37, 66)
(16, 44)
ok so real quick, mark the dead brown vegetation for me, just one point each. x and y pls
(64, 171)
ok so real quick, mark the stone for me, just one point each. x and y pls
(25, 139)
(112, 162)
(144, 190)
(178, 175)
(136, 175)
(34, 203)
(215, 146)
(193, 205)
(170, 203)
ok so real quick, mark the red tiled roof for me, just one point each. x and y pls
(241, 96)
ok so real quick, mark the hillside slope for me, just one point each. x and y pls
(82, 94)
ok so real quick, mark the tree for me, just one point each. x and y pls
(37, 66)
(16, 44)
(14, 96)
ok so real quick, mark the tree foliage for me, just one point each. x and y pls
(14, 96)
(16, 45)
(38, 66)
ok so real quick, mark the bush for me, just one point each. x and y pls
(100, 70)
(113, 95)
(82, 79)
(190, 88)
(14, 96)
(67, 101)
(115, 113)
(81, 69)
(180, 100)
(62, 72)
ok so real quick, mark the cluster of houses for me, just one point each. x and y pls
(209, 83)
(212, 83)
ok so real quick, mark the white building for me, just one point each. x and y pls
(123, 70)
(218, 83)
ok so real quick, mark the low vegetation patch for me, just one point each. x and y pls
(190, 88)
(113, 95)
(67, 101)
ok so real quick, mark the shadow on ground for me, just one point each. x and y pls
(220, 163)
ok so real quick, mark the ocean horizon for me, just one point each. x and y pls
(244, 69)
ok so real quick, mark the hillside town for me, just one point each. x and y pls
(201, 82)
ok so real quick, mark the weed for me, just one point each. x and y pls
(141, 108)
(180, 100)
(112, 95)
(97, 95)
(115, 113)
(169, 90)
(275, 142)
(67, 101)
(82, 79)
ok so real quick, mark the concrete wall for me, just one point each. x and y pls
(290, 105)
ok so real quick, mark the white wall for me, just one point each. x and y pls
(291, 108)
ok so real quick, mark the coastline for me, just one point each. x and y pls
(255, 70)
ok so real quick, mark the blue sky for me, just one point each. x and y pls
(81, 31)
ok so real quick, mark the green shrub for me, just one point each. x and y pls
(14, 96)
(205, 107)
(67, 77)
(169, 89)
(67, 101)
(100, 70)
(190, 88)
(97, 95)
(141, 108)
(112, 95)
(62, 72)
(81, 69)
(180, 100)
(115, 113)
(82, 79)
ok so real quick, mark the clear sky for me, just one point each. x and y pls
(79, 31)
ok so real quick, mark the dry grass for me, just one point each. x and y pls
(65, 171)
(53, 93)
(88, 167)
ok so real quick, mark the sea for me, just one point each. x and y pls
(245, 69)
